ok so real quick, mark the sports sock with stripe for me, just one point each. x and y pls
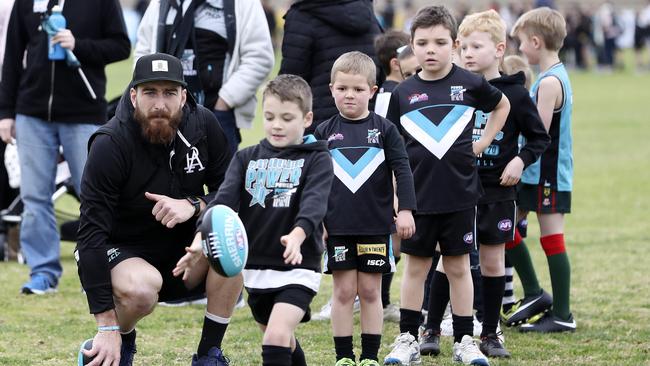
(214, 328)
(509, 288)
(520, 259)
(560, 271)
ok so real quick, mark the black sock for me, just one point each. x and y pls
(409, 321)
(343, 347)
(370, 346)
(438, 300)
(212, 333)
(298, 356)
(492, 295)
(128, 337)
(276, 356)
(386, 281)
(463, 325)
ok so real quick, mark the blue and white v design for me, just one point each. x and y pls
(355, 175)
(437, 139)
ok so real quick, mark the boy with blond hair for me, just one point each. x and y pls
(435, 111)
(482, 41)
(547, 184)
(366, 151)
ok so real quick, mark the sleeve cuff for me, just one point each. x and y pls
(306, 226)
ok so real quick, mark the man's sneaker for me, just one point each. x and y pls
(128, 351)
(550, 324)
(468, 353)
(391, 313)
(325, 312)
(405, 351)
(527, 308)
(430, 343)
(214, 358)
(368, 362)
(39, 284)
(491, 346)
(345, 362)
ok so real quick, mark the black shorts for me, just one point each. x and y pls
(496, 222)
(369, 254)
(261, 303)
(164, 259)
(544, 200)
(455, 231)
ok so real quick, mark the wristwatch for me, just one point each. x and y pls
(196, 202)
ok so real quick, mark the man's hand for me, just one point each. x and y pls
(170, 211)
(192, 256)
(292, 242)
(106, 349)
(7, 130)
(512, 172)
(405, 224)
(65, 38)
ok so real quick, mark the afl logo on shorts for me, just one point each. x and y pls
(468, 238)
(505, 225)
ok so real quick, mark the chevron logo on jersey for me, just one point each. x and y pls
(439, 138)
(354, 175)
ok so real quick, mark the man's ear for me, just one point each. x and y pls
(133, 94)
(309, 118)
(183, 97)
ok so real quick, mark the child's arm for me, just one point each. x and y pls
(549, 98)
(398, 162)
(292, 242)
(494, 124)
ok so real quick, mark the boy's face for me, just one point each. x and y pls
(409, 66)
(433, 48)
(479, 53)
(529, 47)
(284, 122)
(351, 94)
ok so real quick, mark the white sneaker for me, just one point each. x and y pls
(447, 327)
(468, 353)
(325, 312)
(405, 351)
(391, 313)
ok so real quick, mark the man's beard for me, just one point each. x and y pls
(158, 127)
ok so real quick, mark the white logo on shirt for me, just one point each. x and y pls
(193, 161)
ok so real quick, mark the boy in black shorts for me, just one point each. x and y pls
(279, 188)
(435, 111)
(366, 151)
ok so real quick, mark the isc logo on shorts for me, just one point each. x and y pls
(376, 262)
(505, 225)
(469, 238)
(378, 249)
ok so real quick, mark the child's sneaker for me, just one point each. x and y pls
(405, 351)
(346, 362)
(325, 312)
(391, 313)
(447, 326)
(492, 346)
(214, 358)
(430, 343)
(467, 352)
(528, 307)
(368, 362)
(39, 284)
(550, 324)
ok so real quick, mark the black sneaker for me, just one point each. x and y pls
(127, 351)
(215, 357)
(491, 346)
(430, 343)
(527, 308)
(550, 324)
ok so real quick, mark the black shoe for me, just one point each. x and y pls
(491, 346)
(127, 351)
(215, 357)
(528, 307)
(430, 343)
(550, 324)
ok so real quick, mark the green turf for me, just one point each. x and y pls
(606, 234)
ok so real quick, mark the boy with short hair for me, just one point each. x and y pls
(366, 150)
(279, 188)
(386, 47)
(547, 184)
(408, 63)
(435, 111)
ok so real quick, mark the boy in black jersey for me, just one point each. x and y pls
(386, 47)
(366, 150)
(279, 189)
(435, 111)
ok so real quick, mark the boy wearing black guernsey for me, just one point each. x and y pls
(366, 150)
(280, 188)
(435, 111)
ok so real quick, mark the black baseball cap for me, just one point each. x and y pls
(158, 67)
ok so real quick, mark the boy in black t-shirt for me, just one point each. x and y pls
(386, 47)
(435, 110)
(366, 150)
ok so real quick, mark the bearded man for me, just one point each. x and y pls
(141, 193)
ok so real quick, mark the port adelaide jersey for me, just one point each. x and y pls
(436, 118)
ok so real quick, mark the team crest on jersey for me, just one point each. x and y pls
(335, 137)
(278, 176)
(193, 161)
(456, 93)
(468, 238)
(373, 136)
(339, 253)
(415, 98)
(505, 225)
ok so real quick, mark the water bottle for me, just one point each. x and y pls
(56, 52)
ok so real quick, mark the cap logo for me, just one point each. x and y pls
(159, 65)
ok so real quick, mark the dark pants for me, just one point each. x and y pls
(229, 126)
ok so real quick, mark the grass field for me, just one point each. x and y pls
(607, 237)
